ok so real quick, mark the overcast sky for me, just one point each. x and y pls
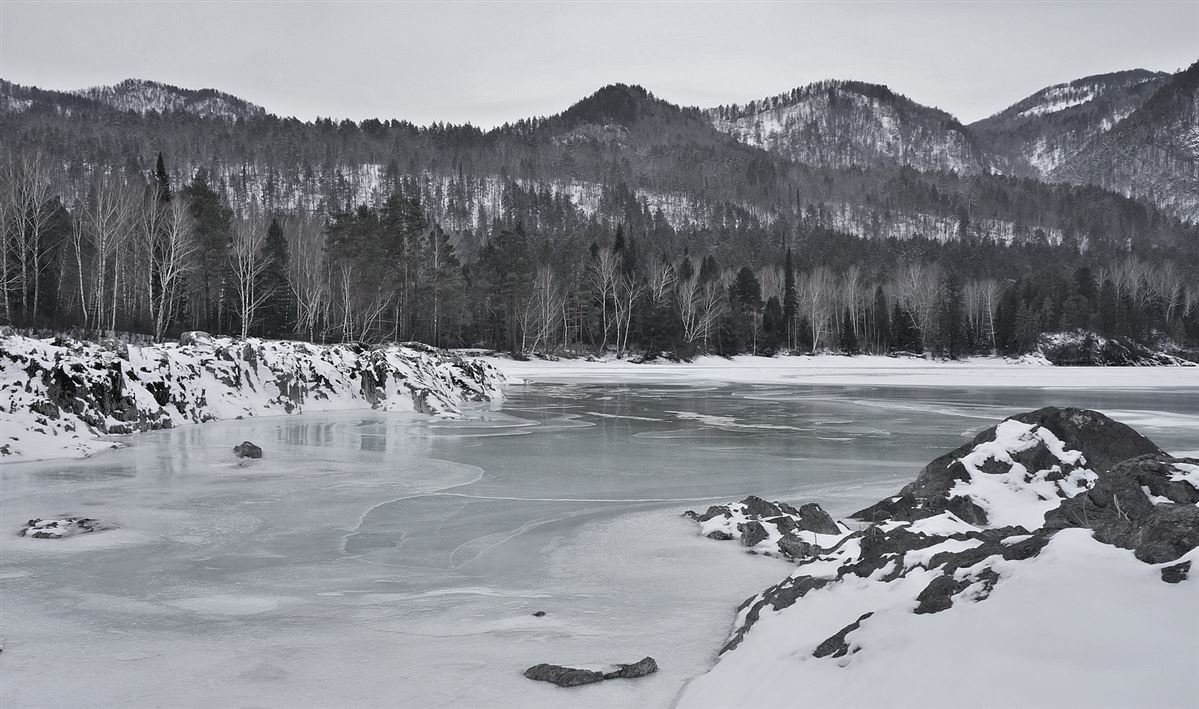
(491, 62)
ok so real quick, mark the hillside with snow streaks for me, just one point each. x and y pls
(1038, 134)
(143, 96)
(848, 124)
(60, 396)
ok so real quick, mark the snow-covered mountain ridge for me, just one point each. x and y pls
(143, 96)
(61, 395)
(1058, 524)
(851, 124)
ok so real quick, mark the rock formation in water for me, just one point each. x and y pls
(61, 528)
(61, 394)
(972, 517)
(245, 449)
(572, 677)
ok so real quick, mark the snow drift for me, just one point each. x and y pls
(60, 395)
(1053, 552)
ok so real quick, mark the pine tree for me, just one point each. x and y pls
(277, 312)
(849, 339)
(162, 181)
(790, 299)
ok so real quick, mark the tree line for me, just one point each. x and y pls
(144, 255)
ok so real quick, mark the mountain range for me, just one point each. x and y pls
(857, 157)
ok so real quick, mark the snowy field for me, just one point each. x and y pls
(864, 370)
(383, 559)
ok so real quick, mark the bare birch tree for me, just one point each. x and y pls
(247, 264)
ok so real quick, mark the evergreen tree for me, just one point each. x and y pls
(277, 312)
(849, 338)
(790, 299)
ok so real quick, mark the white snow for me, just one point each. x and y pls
(864, 370)
(1019, 496)
(1186, 472)
(1082, 624)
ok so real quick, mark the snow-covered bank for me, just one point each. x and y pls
(59, 396)
(1047, 563)
(862, 370)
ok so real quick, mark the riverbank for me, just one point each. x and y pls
(840, 370)
(62, 397)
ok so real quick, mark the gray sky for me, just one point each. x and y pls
(491, 62)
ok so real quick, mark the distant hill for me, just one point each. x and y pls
(850, 124)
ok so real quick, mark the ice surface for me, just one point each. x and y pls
(391, 559)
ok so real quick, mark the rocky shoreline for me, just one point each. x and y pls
(61, 394)
(1069, 484)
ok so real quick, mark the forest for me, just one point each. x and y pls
(136, 253)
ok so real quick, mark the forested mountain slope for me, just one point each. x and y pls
(1036, 135)
(850, 124)
(622, 223)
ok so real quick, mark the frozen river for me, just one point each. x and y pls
(396, 561)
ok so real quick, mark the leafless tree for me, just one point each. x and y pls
(308, 272)
(917, 285)
(982, 300)
(171, 260)
(815, 292)
(602, 274)
(110, 220)
(542, 317)
(247, 264)
(30, 199)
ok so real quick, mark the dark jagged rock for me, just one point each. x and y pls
(563, 676)
(796, 548)
(195, 338)
(1121, 514)
(573, 677)
(836, 646)
(1103, 441)
(720, 536)
(752, 533)
(778, 597)
(645, 666)
(757, 507)
(539, 614)
(1176, 573)
(245, 449)
(1092, 472)
(813, 518)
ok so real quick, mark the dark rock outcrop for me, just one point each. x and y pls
(1104, 442)
(645, 666)
(1176, 573)
(573, 677)
(1092, 473)
(563, 676)
(1120, 512)
(193, 338)
(836, 645)
(752, 533)
(245, 449)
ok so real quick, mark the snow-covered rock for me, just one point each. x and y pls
(1035, 553)
(58, 396)
(61, 528)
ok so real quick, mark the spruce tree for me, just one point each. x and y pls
(790, 299)
(277, 311)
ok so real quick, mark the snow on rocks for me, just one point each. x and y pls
(57, 396)
(61, 528)
(1046, 525)
(771, 527)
